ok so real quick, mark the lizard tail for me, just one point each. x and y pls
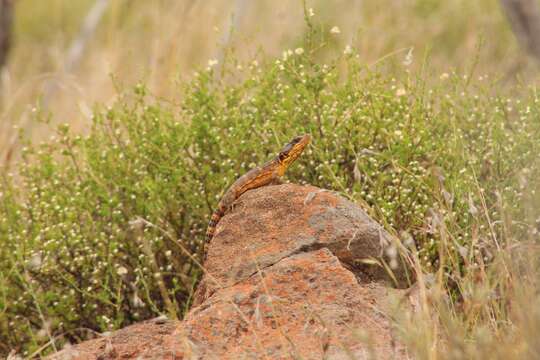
(216, 216)
(210, 230)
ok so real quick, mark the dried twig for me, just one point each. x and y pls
(88, 28)
(76, 50)
(240, 8)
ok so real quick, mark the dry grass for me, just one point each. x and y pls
(487, 310)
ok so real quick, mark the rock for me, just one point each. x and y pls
(140, 341)
(282, 281)
(274, 222)
(306, 306)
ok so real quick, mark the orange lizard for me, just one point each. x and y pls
(267, 174)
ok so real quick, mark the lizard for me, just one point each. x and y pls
(267, 174)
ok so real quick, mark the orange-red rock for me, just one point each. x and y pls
(271, 223)
(307, 306)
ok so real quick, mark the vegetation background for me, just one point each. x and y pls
(167, 41)
(425, 112)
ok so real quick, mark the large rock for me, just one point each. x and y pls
(284, 280)
(274, 222)
(306, 306)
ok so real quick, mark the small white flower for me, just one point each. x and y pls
(121, 271)
(212, 62)
(463, 251)
(444, 76)
(311, 13)
(408, 58)
(335, 30)
(400, 92)
(299, 51)
(391, 251)
(41, 334)
(137, 302)
(348, 50)
(407, 239)
(35, 261)
(285, 55)
(472, 208)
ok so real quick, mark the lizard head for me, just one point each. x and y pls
(292, 151)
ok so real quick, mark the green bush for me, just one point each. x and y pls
(93, 228)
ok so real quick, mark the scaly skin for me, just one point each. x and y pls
(266, 174)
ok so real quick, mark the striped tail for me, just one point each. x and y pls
(210, 230)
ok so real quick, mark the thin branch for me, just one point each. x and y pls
(240, 8)
(88, 28)
(76, 50)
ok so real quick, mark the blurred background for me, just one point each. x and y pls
(63, 56)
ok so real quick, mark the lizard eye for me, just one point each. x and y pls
(282, 155)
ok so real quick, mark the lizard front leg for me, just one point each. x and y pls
(276, 181)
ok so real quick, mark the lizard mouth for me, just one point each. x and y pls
(292, 150)
(303, 139)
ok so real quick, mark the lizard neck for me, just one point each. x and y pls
(273, 168)
(278, 167)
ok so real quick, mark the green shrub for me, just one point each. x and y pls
(92, 228)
